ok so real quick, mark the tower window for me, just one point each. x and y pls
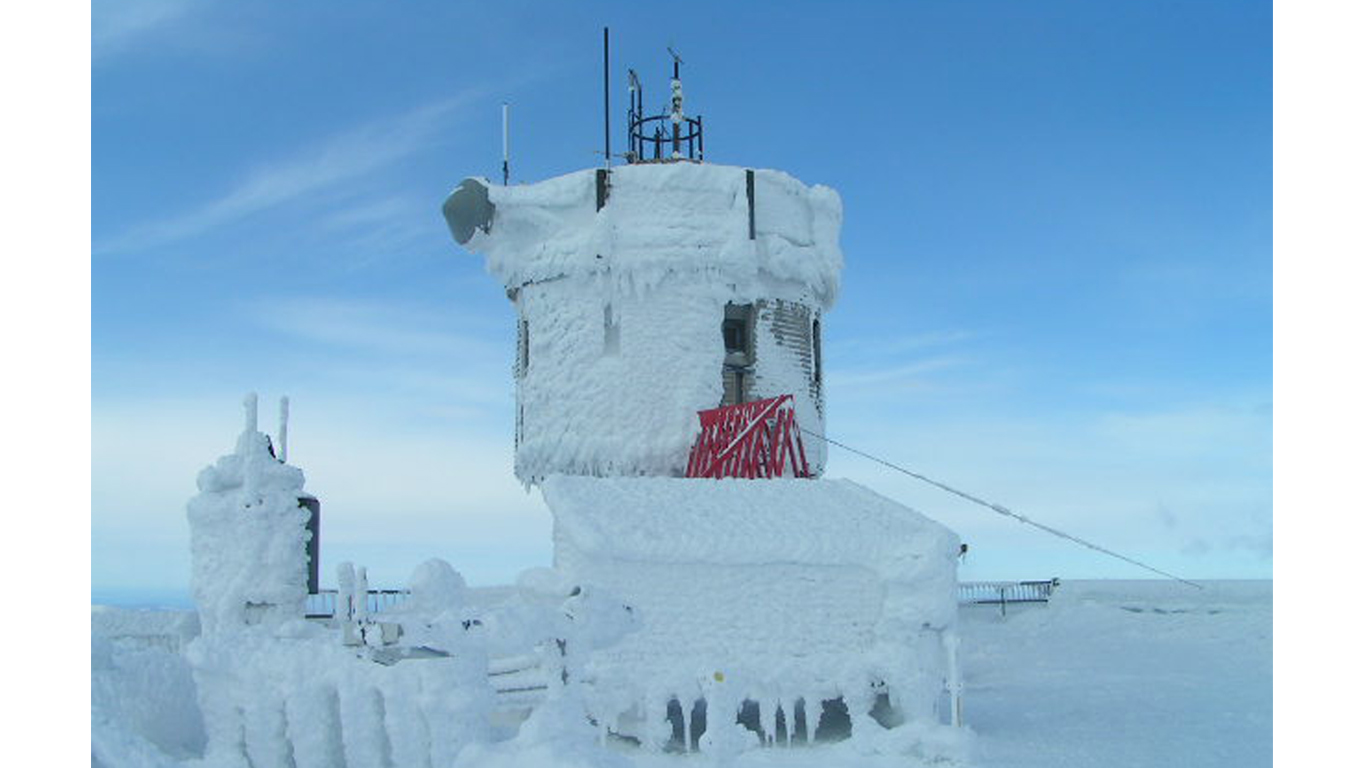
(737, 333)
(734, 333)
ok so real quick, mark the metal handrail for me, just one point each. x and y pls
(1003, 592)
(323, 603)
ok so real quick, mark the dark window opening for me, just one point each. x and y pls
(734, 333)
(816, 350)
(737, 334)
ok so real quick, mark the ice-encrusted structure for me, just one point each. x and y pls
(250, 500)
(689, 286)
(683, 614)
(278, 690)
(767, 609)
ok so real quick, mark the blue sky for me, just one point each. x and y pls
(1057, 234)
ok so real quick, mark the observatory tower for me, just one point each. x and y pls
(653, 290)
(647, 294)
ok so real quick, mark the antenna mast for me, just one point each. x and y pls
(676, 101)
(606, 106)
(505, 143)
(284, 430)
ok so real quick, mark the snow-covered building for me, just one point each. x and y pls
(685, 609)
(645, 294)
(681, 287)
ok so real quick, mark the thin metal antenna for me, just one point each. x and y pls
(249, 417)
(505, 143)
(284, 430)
(632, 115)
(606, 105)
(676, 102)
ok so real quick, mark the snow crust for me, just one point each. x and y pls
(143, 707)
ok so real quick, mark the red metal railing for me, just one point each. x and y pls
(749, 440)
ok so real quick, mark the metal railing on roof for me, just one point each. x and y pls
(1005, 592)
(323, 604)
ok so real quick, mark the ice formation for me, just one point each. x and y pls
(278, 690)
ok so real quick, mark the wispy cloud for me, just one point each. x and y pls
(1188, 484)
(335, 160)
(117, 25)
(372, 326)
(905, 374)
(891, 345)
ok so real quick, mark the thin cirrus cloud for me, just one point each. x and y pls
(907, 374)
(338, 159)
(373, 326)
(118, 25)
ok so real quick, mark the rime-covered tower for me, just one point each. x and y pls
(644, 294)
(649, 292)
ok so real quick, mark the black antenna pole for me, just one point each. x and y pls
(606, 106)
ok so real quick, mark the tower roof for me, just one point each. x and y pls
(656, 220)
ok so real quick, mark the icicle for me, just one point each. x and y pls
(687, 744)
(771, 738)
(284, 430)
(955, 681)
(790, 713)
(811, 707)
(650, 706)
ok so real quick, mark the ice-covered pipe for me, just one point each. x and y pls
(249, 403)
(284, 430)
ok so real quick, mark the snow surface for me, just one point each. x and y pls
(1127, 674)
(621, 308)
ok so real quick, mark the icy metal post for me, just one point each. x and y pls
(676, 113)
(284, 429)
(505, 143)
(606, 107)
(249, 403)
